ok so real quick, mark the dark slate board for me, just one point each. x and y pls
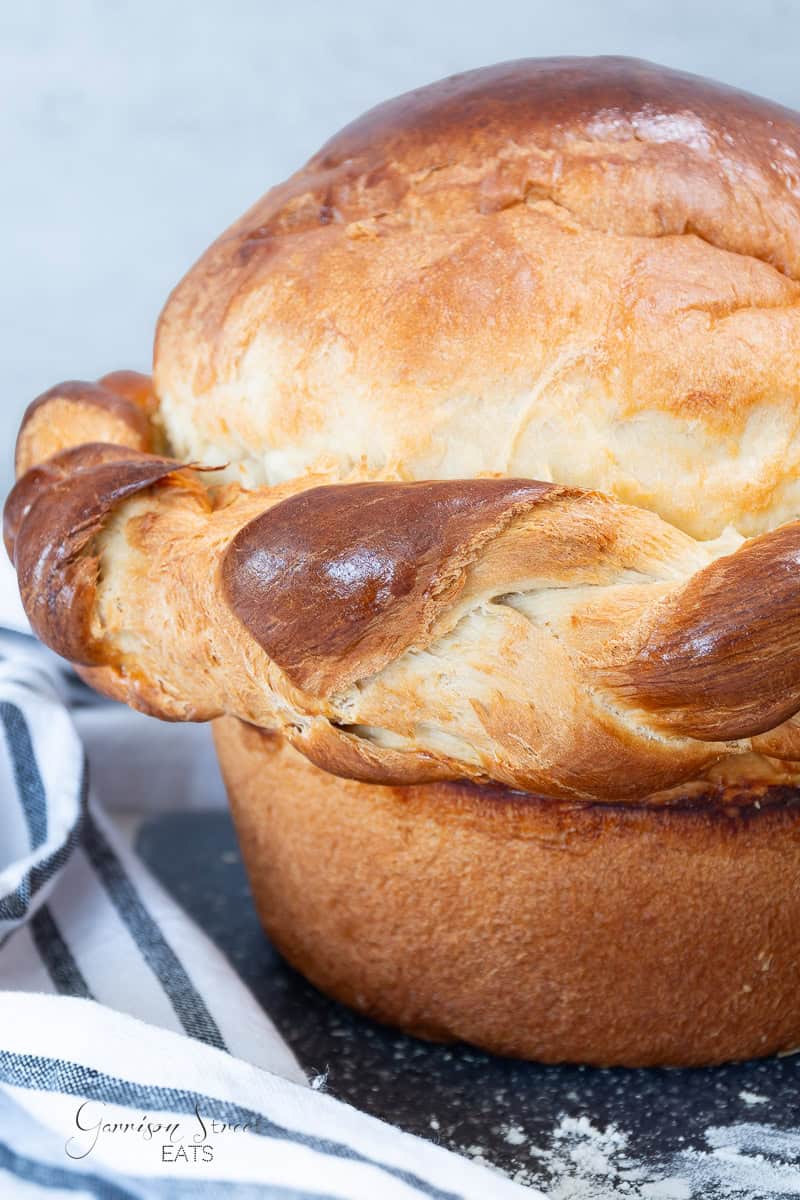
(464, 1099)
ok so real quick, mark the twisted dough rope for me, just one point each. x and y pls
(545, 638)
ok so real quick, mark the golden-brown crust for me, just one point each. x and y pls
(579, 270)
(697, 140)
(339, 751)
(374, 562)
(711, 160)
(134, 387)
(55, 469)
(146, 695)
(53, 520)
(559, 932)
(728, 637)
(76, 412)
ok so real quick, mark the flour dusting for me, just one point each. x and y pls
(579, 1161)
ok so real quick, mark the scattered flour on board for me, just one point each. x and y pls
(580, 1161)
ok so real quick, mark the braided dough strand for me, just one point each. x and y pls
(550, 639)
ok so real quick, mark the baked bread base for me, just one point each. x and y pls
(602, 934)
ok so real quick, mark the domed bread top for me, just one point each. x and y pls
(567, 269)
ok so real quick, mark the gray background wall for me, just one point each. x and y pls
(132, 133)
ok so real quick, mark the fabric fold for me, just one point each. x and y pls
(134, 1062)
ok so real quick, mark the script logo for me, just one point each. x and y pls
(181, 1141)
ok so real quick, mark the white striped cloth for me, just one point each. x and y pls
(134, 1063)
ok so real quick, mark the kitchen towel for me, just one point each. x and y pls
(133, 1060)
